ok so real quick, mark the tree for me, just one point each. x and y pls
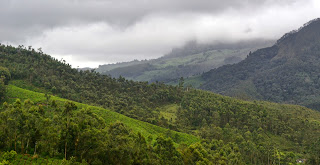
(5, 75)
(181, 82)
(2, 89)
(166, 151)
(314, 157)
(68, 108)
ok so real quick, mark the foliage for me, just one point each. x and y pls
(7, 156)
(5, 75)
(77, 135)
(108, 116)
(190, 60)
(284, 73)
(134, 99)
(256, 129)
(3, 89)
(232, 131)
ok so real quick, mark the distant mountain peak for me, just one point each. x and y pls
(287, 72)
(316, 20)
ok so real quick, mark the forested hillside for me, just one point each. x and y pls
(50, 126)
(287, 72)
(231, 131)
(191, 59)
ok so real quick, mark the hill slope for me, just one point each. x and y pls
(109, 116)
(287, 72)
(191, 59)
(232, 131)
(51, 126)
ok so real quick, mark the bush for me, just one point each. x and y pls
(9, 155)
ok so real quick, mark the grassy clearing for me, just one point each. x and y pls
(169, 112)
(109, 116)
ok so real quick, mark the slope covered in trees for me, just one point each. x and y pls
(287, 72)
(232, 131)
(55, 127)
(191, 59)
(134, 99)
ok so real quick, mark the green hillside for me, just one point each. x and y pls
(287, 72)
(95, 118)
(32, 109)
(190, 60)
(109, 116)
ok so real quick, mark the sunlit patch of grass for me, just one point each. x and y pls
(169, 112)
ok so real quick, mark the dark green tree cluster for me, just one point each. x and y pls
(2, 89)
(5, 76)
(250, 127)
(80, 135)
(134, 99)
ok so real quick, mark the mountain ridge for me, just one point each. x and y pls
(285, 72)
(191, 59)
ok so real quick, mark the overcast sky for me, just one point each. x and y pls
(93, 32)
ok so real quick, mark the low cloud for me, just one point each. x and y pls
(88, 33)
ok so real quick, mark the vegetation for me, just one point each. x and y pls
(192, 59)
(5, 76)
(100, 126)
(134, 99)
(108, 116)
(2, 89)
(63, 129)
(285, 72)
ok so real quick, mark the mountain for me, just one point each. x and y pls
(37, 119)
(191, 59)
(286, 72)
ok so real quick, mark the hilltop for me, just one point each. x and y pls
(286, 72)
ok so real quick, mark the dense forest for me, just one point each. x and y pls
(232, 131)
(81, 135)
(287, 72)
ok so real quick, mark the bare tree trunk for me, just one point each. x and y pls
(268, 158)
(35, 148)
(15, 142)
(27, 145)
(65, 150)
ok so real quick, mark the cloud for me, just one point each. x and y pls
(91, 32)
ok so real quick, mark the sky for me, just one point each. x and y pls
(88, 33)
